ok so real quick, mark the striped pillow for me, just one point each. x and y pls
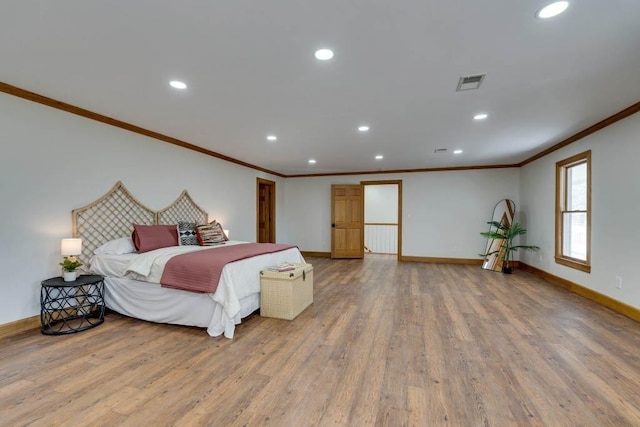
(210, 234)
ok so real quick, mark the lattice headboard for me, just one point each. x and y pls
(182, 209)
(112, 216)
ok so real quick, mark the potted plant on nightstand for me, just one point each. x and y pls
(69, 266)
(506, 233)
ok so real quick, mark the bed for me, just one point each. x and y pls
(105, 226)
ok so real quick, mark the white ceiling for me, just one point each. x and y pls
(251, 72)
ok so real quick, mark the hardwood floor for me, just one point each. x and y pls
(384, 343)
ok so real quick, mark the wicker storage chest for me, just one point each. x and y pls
(286, 294)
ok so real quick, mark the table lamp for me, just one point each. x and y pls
(70, 249)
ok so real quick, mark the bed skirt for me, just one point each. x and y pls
(151, 302)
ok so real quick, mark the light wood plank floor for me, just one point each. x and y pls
(384, 343)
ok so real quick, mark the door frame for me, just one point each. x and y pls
(398, 182)
(272, 208)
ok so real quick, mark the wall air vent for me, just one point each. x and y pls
(470, 82)
(440, 150)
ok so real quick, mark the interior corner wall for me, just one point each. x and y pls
(443, 213)
(615, 198)
(52, 162)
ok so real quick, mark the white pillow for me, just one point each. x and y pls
(121, 246)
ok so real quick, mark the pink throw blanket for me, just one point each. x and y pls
(200, 271)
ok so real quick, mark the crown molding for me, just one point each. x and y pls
(395, 171)
(588, 131)
(59, 105)
(50, 102)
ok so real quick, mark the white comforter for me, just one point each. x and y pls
(238, 280)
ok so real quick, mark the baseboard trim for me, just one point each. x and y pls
(316, 254)
(607, 301)
(465, 261)
(19, 326)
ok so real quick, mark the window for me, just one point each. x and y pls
(573, 212)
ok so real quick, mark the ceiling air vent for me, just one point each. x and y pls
(470, 82)
(440, 150)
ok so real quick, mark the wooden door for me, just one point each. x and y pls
(347, 221)
(266, 208)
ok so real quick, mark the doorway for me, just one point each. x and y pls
(266, 211)
(383, 217)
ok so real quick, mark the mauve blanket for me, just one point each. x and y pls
(200, 271)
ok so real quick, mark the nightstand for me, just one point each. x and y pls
(68, 307)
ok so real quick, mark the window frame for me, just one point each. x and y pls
(562, 168)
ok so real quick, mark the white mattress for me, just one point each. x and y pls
(237, 295)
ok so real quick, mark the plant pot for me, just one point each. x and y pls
(507, 270)
(69, 276)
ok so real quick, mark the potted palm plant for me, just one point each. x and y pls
(505, 234)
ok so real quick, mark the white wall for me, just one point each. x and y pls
(381, 203)
(52, 162)
(443, 212)
(615, 198)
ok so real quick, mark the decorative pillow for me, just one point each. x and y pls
(149, 237)
(221, 229)
(187, 233)
(210, 234)
(121, 246)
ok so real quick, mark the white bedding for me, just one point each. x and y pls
(151, 302)
(111, 265)
(239, 280)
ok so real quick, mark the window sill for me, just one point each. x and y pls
(573, 263)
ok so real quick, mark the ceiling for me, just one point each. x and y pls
(251, 72)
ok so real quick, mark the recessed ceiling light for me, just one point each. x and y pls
(457, 151)
(324, 54)
(177, 84)
(480, 116)
(312, 161)
(379, 157)
(553, 9)
(363, 128)
(272, 137)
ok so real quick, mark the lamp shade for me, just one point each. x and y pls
(71, 247)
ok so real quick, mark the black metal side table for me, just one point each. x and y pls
(68, 307)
